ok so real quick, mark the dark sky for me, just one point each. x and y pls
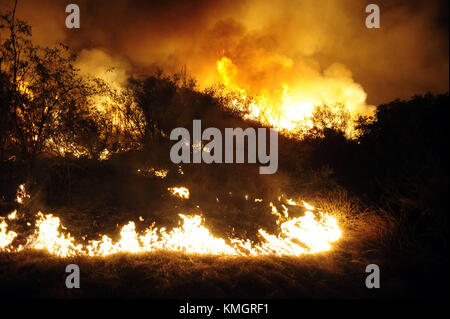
(269, 41)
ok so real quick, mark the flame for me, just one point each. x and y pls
(316, 232)
(181, 192)
(191, 237)
(13, 215)
(309, 234)
(21, 194)
(162, 173)
(6, 238)
(23, 87)
(47, 236)
(286, 106)
(312, 233)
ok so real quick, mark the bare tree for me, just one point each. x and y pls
(42, 85)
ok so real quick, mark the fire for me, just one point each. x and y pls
(161, 173)
(47, 236)
(312, 233)
(21, 195)
(181, 192)
(315, 231)
(6, 237)
(23, 87)
(190, 237)
(289, 106)
(12, 215)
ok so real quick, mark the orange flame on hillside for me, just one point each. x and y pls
(288, 106)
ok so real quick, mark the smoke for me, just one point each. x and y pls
(97, 63)
(319, 49)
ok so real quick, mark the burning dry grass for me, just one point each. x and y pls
(339, 273)
(311, 233)
(169, 274)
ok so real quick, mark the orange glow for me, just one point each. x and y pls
(312, 233)
(181, 192)
(288, 106)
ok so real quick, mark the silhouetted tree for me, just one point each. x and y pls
(327, 121)
(41, 89)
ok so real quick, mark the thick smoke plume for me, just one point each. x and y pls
(316, 50)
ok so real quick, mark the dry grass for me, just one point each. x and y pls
(176, 275)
